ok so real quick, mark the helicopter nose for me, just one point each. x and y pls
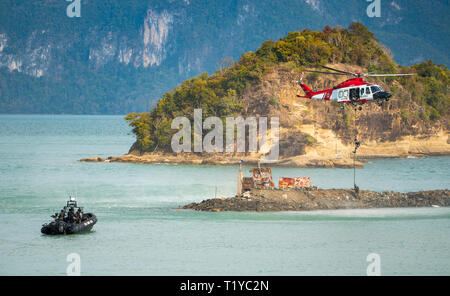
(382, 95)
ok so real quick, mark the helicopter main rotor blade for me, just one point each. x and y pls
(310, 71)
(387, 75)
(340, 71)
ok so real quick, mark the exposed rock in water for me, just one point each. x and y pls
(322, 199)
(93, 159)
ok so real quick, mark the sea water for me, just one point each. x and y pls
(140, 231)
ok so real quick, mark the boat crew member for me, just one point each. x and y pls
(61, 216)
(71, 216)
(79, 215)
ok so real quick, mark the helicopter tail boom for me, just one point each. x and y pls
(307, 90)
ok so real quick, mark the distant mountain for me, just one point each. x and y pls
(121, 56)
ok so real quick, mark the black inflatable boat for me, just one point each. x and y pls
(63, 225)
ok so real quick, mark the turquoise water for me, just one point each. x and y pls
(140, 233)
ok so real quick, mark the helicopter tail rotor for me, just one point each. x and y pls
(299, 81)
(304, 87)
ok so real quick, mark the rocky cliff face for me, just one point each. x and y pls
(145, 48)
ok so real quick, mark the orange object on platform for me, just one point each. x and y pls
(286, 182)
(263, 176)
(299, 182)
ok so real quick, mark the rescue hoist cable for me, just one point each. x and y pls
(357, 144)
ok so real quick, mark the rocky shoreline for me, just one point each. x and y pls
(224, 159)
(318, 156)
(321, 199)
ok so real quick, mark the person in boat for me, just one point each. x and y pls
(60, 217)
(79, 215)
(71, 216)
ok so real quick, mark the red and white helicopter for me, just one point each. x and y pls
(353, 91)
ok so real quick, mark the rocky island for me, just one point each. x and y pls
(414, 123)
(321, 199)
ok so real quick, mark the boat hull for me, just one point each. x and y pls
(61, 227)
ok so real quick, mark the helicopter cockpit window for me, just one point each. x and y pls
(375, 89)
(368, 90)
(362, 91)
(341, 93)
